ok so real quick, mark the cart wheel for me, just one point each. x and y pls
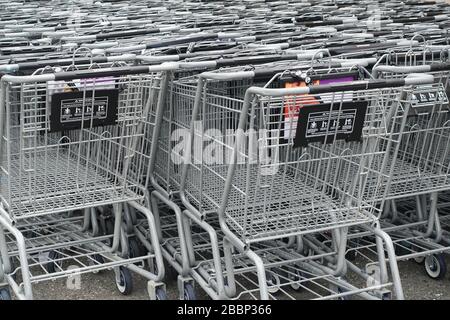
(109, 229)
(170, 273)
(273, 282)
(152, 266)
(435, 266)
(136, 250)
(4, 294)
(53, 265)
(161, 294)
(124, 281)
(386, 295)
(296, 276)
(189, 292)
(419, 260)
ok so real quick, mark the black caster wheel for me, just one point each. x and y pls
(189, 292)
(109, 230)
(161, 294)
(296, 276)
(273, 282)
(152, 266)
(435, 266)
(136, 250)
(170, 274)
(53, 263)
(386, 295)
(4, 294)
(124, 281)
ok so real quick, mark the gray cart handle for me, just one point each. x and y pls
(434, 67)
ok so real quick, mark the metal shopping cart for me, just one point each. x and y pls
(70, 141)
(421, 170)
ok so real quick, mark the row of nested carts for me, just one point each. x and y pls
(242, 149)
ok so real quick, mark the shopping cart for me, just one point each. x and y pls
(411, 214)
(70, 141)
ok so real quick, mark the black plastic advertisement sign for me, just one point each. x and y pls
(74, 110)
(326, 122)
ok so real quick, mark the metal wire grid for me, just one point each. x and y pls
(289, 273)
(73, 252)
(423, 159)
(174, 126)
(47, 172)
(421, 164)
(408, 246)
(178, 114)
(176, 122)
(407, 214)
(293, 278)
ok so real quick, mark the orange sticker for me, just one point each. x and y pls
(292, 107)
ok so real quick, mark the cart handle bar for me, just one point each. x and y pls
(166, 66)
(434, 67)
(413, 79)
